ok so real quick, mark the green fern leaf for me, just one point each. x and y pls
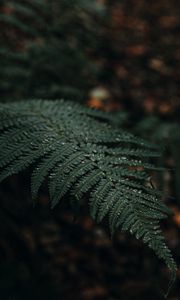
(82, 154)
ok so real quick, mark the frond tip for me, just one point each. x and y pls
(81, 153)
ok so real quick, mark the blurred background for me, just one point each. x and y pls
(114, 55)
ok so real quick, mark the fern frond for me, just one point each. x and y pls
(82, 154)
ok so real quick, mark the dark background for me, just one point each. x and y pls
(111, 55)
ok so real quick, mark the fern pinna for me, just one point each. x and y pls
(82, 153)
